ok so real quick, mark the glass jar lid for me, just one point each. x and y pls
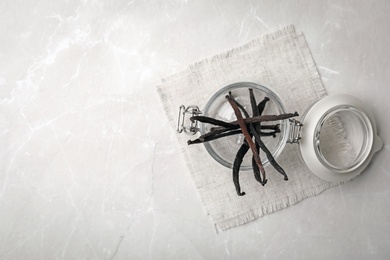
(338, 138)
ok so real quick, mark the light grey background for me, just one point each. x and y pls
(90, 168)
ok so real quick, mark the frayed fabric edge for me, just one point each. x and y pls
(275, 35)
(265, 210)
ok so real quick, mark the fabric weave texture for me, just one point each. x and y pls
(280, 60)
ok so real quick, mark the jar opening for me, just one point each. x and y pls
(224, 150)
(343, 138)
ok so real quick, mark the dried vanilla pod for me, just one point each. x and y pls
(204, 139)
(270, 158)
(236, 167)
(252, 130)
(247, 136)
(214, 136)
(262, 118)
(257, 110)
(213, 121)
(263, 127)
(244, 149)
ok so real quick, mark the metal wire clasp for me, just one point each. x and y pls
(192, 127)
(295, 131)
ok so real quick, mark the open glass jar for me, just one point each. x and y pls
(337, 135)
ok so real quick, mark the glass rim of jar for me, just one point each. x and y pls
(285, 127)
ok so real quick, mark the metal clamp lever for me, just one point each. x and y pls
(192, 128)
(295, 131)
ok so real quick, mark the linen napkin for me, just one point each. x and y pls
(281, 60)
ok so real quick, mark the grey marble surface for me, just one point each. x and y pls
(90, 169)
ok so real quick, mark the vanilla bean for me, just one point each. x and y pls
(255, 152)
(271, 133)
(210, 137)
(247, 136)
(241, 107)
(259, 111)
(219, 131)
(214, 137)
(266, 118)
(261, 105)
(263, 118)
(236, 167)
(256, 112)
(210, 120)
(260, 143)
(220, 135)
(270, 158)
(265, 127)
(256, 170)
(255, 167)
(252, 129)
(240, 154)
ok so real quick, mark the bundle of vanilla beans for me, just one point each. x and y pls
(251, 128)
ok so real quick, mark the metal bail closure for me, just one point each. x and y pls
(295, 131)
(187, 126)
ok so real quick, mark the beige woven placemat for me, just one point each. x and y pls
(281, 60)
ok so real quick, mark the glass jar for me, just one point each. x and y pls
(336, 135)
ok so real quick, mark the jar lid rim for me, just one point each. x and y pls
(313, 120)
